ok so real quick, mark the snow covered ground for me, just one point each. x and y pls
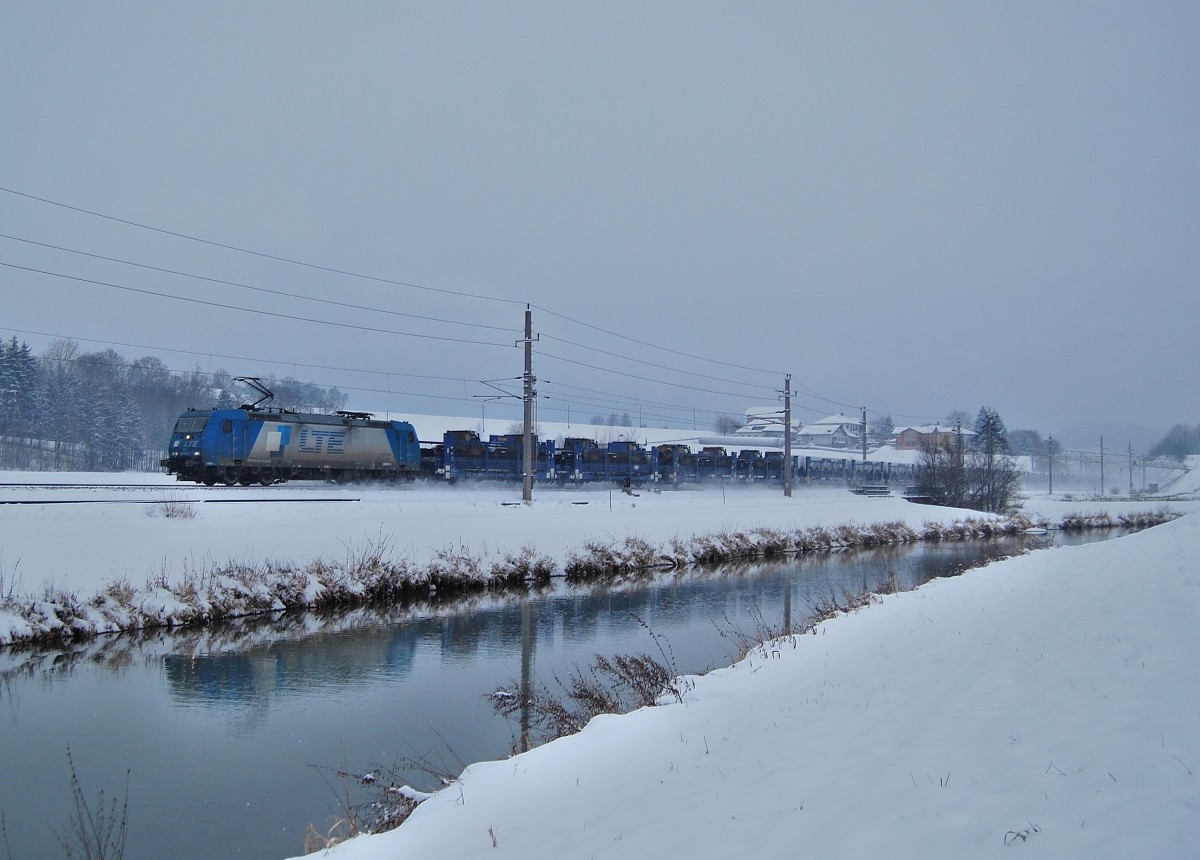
(1047, 705)
(80, 550)
(1050, 701)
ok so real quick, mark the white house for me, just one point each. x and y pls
(833, 431)
(765, 421)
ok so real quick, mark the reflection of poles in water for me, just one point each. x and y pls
(787, 603)
(527, 641)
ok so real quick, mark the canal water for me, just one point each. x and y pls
(227, 741)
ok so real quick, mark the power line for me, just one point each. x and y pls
(266, 290)
(352, 306)
(411, 285)
(590, 404)
(270, 361)
(651, 345)
(275, 314)
(658, 366)
(620, 398)
(92, 362)
(351, 274)
(262, 254)
(545, 354)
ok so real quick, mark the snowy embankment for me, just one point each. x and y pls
(1047, 705)
(117, 559)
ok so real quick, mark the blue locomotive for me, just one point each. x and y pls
(249, 445)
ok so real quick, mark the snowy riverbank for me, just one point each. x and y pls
(91, 560)
(1046, 704)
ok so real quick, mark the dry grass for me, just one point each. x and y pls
(96, 833)
(173, 508)
(613, 685)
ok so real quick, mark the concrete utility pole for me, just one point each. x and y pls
(527, 441)
(1101, 465)
(1050, 459)
(787, 435)
(1131, 468)
(863, 432)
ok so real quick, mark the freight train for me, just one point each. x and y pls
(251, 445)
(248, 446)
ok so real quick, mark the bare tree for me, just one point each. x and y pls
(726, 425)
(985, 478)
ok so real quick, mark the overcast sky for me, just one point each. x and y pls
(913, 207)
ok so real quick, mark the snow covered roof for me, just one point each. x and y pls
(821, 429)
(759, 412)
(928, 429)
(837, 420)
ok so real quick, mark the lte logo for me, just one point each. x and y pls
(322, 441)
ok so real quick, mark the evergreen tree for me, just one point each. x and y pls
(60, 410)
(991, 436)
(882, 427)
(992, 476)
(8, 386)
(18, 387)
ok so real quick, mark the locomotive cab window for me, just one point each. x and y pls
(227, 426)
(190, 425)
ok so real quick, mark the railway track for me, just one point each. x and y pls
(308, 500)
(35, 485)
(52, 494)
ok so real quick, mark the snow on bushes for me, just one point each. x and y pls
(371, 573)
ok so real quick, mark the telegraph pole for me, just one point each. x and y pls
(1131, 468)
(527, 441)
(787, 435)
(1101, 465)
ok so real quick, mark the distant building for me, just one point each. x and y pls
(765, 421)
(833, 431)
(913, 438)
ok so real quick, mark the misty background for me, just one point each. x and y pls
(914, 208)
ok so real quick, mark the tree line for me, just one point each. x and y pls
(1181, 441)
(98, 411)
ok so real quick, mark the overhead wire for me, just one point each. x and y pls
(276, 314)
(550, 355)
(266, 290)
(262, 254)
(622, 398)
(657, 366)
(652, 345)
(348, 273)
(269, 361)
(613, 400)
(93, 362)
(407, 284)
